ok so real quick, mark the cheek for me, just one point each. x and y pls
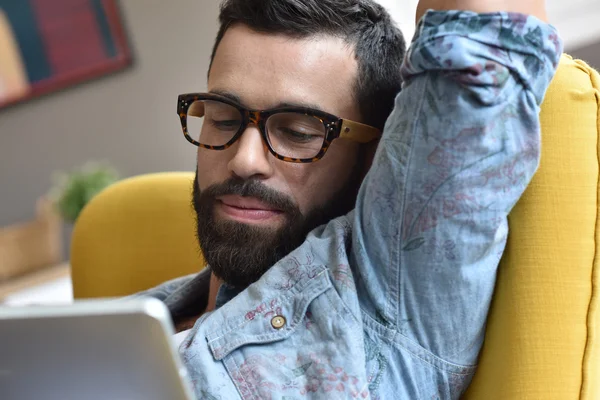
(313, 185)
(212, 167)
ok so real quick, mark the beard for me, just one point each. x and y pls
(239, 254)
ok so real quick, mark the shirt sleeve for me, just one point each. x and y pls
(459, 149)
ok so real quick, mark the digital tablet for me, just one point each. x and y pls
(90, 350)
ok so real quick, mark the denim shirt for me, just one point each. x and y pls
(390, 301)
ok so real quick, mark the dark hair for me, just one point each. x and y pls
(379, 45)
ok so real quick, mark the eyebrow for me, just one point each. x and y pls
(237, 99)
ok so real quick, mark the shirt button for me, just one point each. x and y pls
(278, 322)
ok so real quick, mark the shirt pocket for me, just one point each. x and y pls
(301, 344)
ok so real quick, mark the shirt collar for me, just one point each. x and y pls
(225, 294)
(191, 298)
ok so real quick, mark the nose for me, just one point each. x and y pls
(252, 157)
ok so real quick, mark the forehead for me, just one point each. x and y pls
(265, 70)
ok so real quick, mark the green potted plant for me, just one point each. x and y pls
(74, 189)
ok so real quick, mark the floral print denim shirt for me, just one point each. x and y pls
(390, 301)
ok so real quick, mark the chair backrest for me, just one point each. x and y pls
(542, 339)
(135, 235)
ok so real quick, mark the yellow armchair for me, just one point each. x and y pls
(542, 339)
(134, 235)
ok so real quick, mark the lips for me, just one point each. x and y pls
(246, 209)
(246, 203)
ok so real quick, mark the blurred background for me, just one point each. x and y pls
(87, 96)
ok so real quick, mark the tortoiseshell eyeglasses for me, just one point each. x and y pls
(293, 134)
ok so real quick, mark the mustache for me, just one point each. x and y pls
(250, 188)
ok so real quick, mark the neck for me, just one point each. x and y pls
(187, 323)
(215, 284)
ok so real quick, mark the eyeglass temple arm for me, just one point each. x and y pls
(358, 132)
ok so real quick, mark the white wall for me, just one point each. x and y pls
(577, 20)
(403, 12)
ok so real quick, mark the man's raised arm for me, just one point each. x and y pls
(458, 151)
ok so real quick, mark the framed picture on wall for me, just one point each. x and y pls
(49, 45)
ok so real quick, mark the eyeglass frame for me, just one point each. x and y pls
(335, 127)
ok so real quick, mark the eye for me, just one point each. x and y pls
(226, 124)
(300, 137)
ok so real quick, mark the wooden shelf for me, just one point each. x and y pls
(27, 281)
